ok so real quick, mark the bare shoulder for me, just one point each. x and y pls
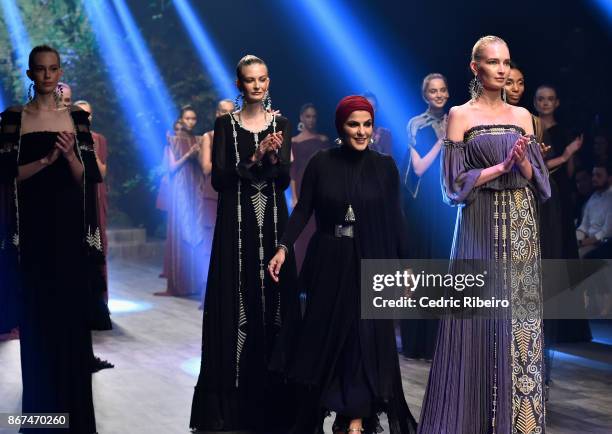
(458, 120)
(523, 118)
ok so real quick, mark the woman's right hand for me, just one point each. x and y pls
(194, 150)
(573, 147)
(51, 157)
(271, 143)
(276, 263)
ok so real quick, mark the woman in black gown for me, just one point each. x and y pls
(57, 239)
(347, 365)
(244, 309)
(431, 221)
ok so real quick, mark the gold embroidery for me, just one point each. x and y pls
(495, 130)
(528, 412)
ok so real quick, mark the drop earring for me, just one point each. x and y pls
(31, 92)
(267, 102)
(476, 88)
(239, 101)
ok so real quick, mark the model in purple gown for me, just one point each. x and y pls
(487, 372)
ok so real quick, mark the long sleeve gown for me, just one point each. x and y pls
(349, 365)
(487, 373)
(244, 309)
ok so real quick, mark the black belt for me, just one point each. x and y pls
(343, 231)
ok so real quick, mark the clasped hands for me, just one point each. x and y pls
(517, 154)
(269, 146)
(63, 145)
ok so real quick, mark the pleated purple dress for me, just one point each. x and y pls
(487, 373)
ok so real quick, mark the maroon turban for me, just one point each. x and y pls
(348, 105)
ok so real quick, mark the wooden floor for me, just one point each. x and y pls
(156, 346)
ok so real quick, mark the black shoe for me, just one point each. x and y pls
(97, 364)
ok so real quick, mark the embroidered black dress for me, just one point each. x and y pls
(347, 364)
(56, 256)
(244, 309)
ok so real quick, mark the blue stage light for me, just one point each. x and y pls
(192, 366)
(152, 79)
(149, 129)
(20, 39)
(118, 306)
(359, 62)
(605, 6)
(209, 57)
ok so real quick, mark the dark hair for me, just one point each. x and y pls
(370, 95)
(42, 49)
(307, 106)
(514, 65)
(185, 109)
(604, 165)
(247, 60)
(547, 86)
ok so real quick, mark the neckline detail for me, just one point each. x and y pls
(238, 119)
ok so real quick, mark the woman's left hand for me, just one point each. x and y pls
(65, 143)
(276, 263)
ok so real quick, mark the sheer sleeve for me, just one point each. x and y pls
(223, 169)
(9, 142)
(305, 206)
(85, 145)
(458, 182)
(539, 181)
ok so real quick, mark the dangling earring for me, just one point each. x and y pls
(475, 87)
(58, 94)
(237, 101)
(266, 102)
(338, 141)
(504, 95)
(31, 92)
(372, 140)
(300, 126)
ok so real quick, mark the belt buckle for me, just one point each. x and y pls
(343, 231)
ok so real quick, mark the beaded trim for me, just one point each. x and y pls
(497, 130)
(259, 202)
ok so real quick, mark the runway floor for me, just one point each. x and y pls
(155, 347)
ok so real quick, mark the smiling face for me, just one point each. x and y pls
(545, 101)
(436, 94)
(45, 72)
(254, 82)
(493, 66)
(358, 130)
(515, 86)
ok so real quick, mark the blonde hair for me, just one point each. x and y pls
(480, 45)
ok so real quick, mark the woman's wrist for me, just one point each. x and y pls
(282, 247)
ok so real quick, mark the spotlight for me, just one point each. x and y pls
(20, 39)
(152, 79)
(209, 57)
(140, 112)
(359, 61)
